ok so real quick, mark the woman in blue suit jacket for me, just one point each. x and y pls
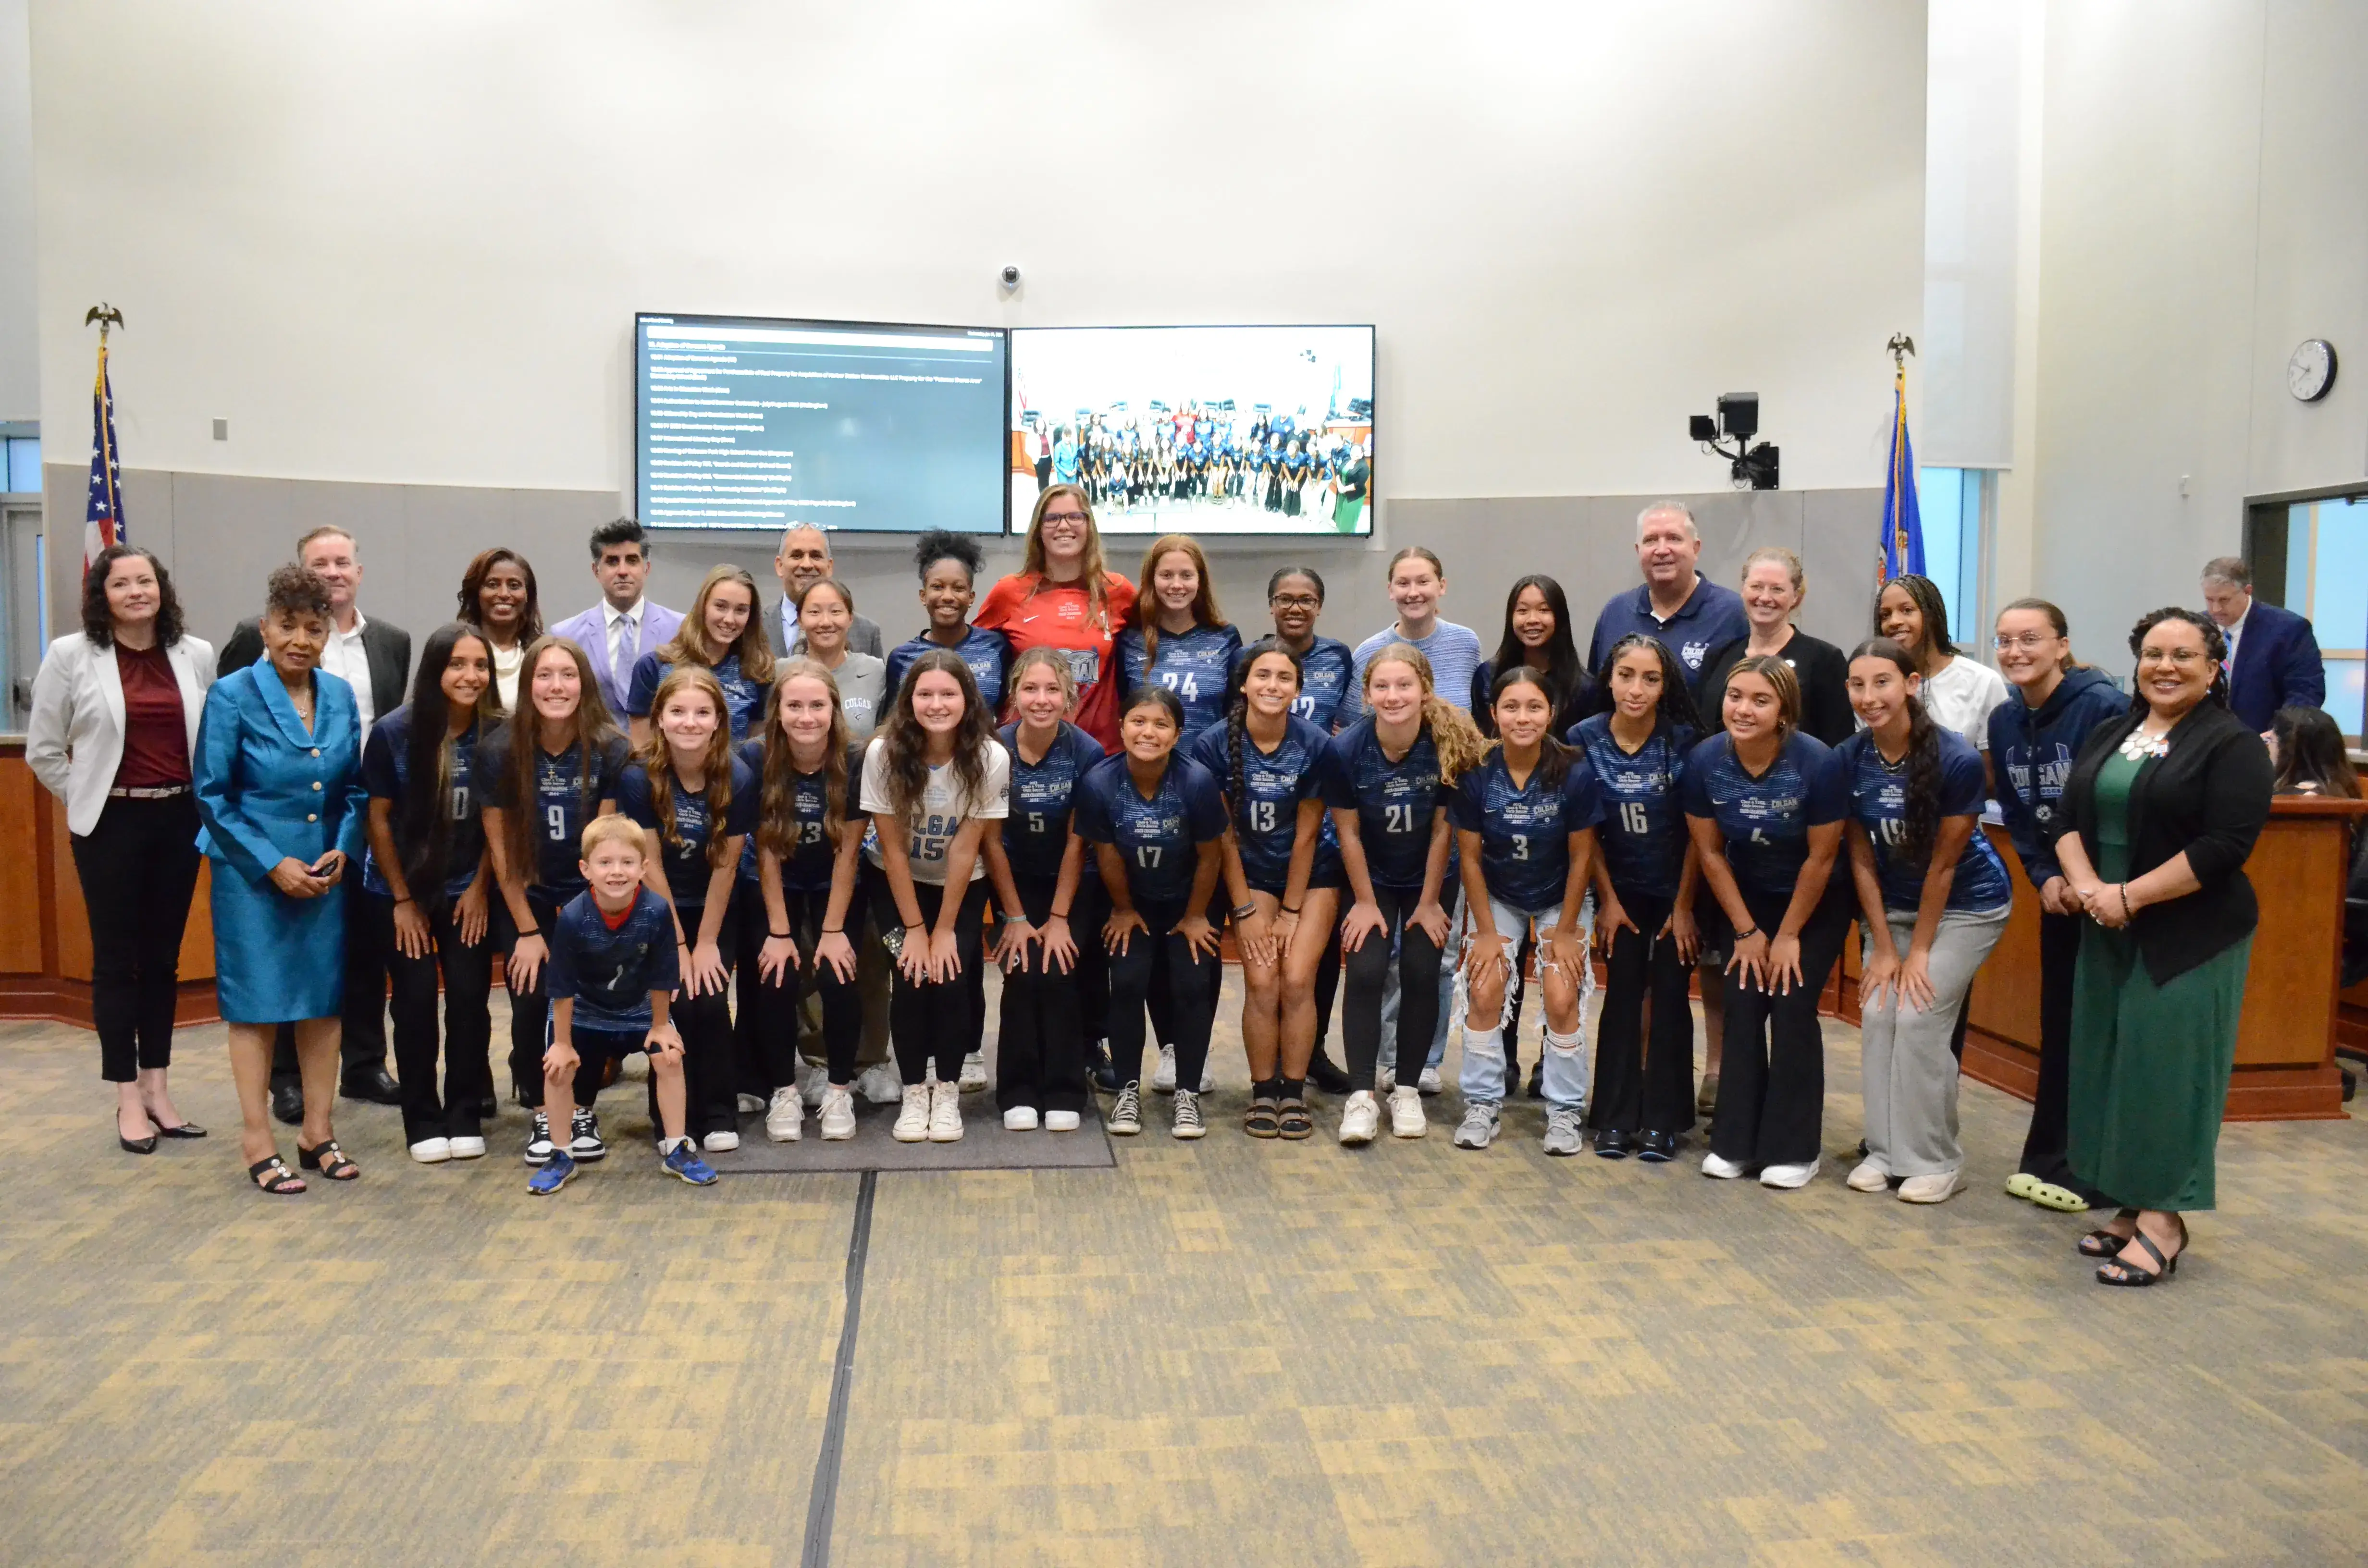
(280, 791)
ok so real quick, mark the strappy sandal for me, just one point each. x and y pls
(329, 1160)
(1261, 1120)
(2106, 1243)
(1291, 1120)
(2117, 1272)
(271, 1175)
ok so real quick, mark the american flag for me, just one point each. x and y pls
(103, 522)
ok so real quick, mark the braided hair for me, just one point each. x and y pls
(1923, 823)
(1237, 713)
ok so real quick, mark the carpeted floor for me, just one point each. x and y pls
(1232, 1352)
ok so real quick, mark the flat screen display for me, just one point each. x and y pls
(752, 423)
(1262, 430)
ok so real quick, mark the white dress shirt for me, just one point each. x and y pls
(624, 635)
(2230, 633)
(345, 658)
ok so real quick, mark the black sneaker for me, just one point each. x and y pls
(1611, 1143)
(1538, 1079)
(1325, 1076)
(1657, 1148)
(538, 1142)
(1099, 1068)
(584, 1137)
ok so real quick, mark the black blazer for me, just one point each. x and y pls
(1824, 673)
(386, 645)
(2209, 796)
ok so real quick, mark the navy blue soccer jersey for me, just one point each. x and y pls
(686, 869)
(1766, 821)
(1394, 801)
(386, 772)
(1324, 672)
(807, 867)
(1642, 834)
(1879, 798)
(1266, 819)
(608, 972)
(565, 798)
(985, 652)
(1525, 830)
(1158, 838)
(1193, 665)
(1036, 834)
(744, 699)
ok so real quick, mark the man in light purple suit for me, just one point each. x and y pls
(623, 625)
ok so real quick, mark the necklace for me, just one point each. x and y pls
(2138, 745)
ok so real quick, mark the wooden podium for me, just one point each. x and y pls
(2286, 1037)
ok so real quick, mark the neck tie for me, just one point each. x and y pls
(621, 645)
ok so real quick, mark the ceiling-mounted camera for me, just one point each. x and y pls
(1750, 466)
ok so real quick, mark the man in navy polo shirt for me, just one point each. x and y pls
(1687, 613)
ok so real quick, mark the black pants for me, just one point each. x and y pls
(768, 1009)
(361, 1041)
(1418, 960)
(2043, 1148)
(138, 868)
(1160, 964)
(468, 977)
(1327, 987)
(530, 1011)
(711, 1100)
(751, 1074)
(1040, 1053)
(1772, 1084)
(1639, 1089)
(929, 1022)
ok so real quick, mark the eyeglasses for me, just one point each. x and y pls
(2175, 655)
(1295, 601)
(1062, 517)
(2034, 641)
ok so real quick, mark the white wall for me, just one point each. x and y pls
(403, 241)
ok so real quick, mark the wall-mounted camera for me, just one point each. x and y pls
(1010, 276)
(1749, 467)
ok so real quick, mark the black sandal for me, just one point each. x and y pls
(2117, 1272)
(1291, 1120)
(1261, 1120)
(2107, 1242)
(329, 1160)
(271, 1175)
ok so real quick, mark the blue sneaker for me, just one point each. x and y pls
(556, 1172)
(685, 1162)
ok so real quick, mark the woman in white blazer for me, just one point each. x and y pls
(115, 723)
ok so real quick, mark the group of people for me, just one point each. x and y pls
(1270, 463)
(762, 849)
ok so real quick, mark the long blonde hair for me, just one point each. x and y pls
(1032, 563)
(691, 645)
(1453, 733)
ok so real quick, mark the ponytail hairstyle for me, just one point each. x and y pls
(1771, 669)
(423, 826)
(2055, 618)
(1453, 733)
(1554, 757)
(656, 758)
(776, 808)
(1237, 711)
(1146, 615)
(589, 730)
(1157, 696)
(908, 744)
(1676, 707)
(1923, 823)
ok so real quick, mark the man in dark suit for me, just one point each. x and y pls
(804, 558)
(2273, 660)
(374, 658)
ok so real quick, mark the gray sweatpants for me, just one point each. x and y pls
(1909, 1076)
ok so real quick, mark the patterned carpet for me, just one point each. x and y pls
(1221, 1353)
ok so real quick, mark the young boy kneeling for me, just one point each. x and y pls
(611, 975)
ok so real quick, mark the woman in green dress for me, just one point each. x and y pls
(2166, 804)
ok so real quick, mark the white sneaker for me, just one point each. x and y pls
(945, 1113)
(432, 1151)
(1868, 1177)
(1406, 1119)
(750, 1105)
(878, 1084)
(1361, 1117)
(721, 1141)
(1385, 1080)
(974, 1072)
(785, 1118)
(1126, 1112)
(1163, 1077)
(1929, 1188)
(813, 1083)
(913, 1115)
(1186, 1120)
(1478, 1128)
(1565, 1131)
(837, 1116)
(468, 1148)
(1786, 1178)
(1429, 1081)
(1719, 1168)
(1208, 1080)
(1019, 1118)
(1062, 1121)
